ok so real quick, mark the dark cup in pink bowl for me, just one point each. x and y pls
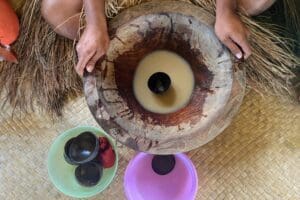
(141, 182)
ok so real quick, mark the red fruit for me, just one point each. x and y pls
(104, 143)
(107, 157)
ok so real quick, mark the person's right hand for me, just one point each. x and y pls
(232, 32)
(92, 45)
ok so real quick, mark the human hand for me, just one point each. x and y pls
(92, 45)
(232, 32)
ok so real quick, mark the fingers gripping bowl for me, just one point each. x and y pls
(187, 31)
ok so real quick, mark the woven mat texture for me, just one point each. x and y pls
(257, 157)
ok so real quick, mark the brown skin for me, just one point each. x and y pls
(94, 42)
(230, 29)
(64, 16)
(254, 7)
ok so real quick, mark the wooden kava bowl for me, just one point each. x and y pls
(188, 31)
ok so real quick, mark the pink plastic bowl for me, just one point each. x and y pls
(142, 183)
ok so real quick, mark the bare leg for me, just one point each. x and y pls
(63, 16)
(255, 7)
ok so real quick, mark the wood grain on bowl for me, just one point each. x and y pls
(186, 30)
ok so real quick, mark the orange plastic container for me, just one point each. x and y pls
(9, 23)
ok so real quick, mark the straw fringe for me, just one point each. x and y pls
(45, 76)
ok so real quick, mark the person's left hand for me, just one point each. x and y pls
(232, 32)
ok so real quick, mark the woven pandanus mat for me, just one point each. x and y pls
(257, 157)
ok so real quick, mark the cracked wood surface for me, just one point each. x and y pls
(188, 31)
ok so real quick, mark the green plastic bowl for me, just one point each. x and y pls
(62, 174)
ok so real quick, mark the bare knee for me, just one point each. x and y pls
(256, 7)
(62, 16)
(50, 13)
